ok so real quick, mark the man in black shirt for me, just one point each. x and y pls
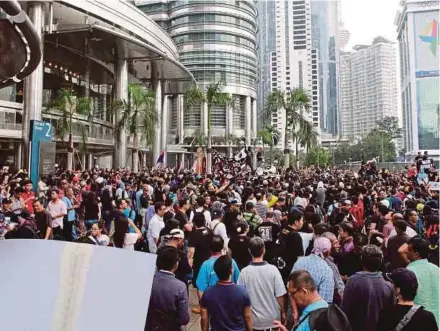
(292, 242)
(182, 216)
(268, 231)
(176, 240)
(43, 220)
(198, 248)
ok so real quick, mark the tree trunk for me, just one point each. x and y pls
(208, 149)
(286, 147)
(135, 153)
(70, 153)
(296, 154)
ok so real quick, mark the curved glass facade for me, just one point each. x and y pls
(217, 41)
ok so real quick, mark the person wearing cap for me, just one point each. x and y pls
(406, 313)
(251, 217)
(239, 245)
(176, 239)
(367, 292)
(168, 307)
(265, 286)
(416, 253)
(218, 227)
(315, 264)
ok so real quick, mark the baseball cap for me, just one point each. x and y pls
(177, 233)
(402, 277)
(235, 202)
(347, 203)
(217, 213)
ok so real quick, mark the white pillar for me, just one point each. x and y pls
(254, 118)
(33, 84)
(183, 160)
(121, 93)
(248, 120)
(205, 118)
(104, 103)
(157, 84)
(90, 165)
(180, 115)
(18, 154)
(164, 128)
(229, 128)
(83, 162)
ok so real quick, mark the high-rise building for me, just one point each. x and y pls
(344, 36)
(217, 42)
(368, 83)
(266, 46)
(291, 62)
(418, 36)
(325, 38)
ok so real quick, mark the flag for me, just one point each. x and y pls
(161, 158)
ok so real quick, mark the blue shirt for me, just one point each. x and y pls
(138, 201)
(321, 273)
(304, 326)
(71, 216)
(207, 276)
(225, 303)
(128, 213)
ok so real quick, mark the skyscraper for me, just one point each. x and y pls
(418, 36)
(368, 87)
(291, 62)
(266, 46)
(325, 39)
(217, 42)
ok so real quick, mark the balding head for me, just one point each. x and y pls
(397, 217)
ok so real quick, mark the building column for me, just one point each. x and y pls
(83, 161)
(229, 128)
(180, 117)
(157, 85)
(121, 93)
(18, 154)
(248, 123)
(254, 131)
(103, 90)
(183, 160)
(33, 84)
(90, 165)
(205, 118)
(164, 128)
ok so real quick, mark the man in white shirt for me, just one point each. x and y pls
(218, 227)
(265, 287)
(57, 209)
(200, 202)
(156, 224)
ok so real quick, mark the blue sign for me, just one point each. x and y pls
(428, 73)
(39, 132)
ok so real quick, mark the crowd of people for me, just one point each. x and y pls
(303, 249)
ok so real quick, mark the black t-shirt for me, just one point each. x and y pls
(268, 231)
(239, 246)
(43, 220)
(13, 217)
(201, 240)
(421, 320)
(293, 244)
(183, 220)
(183, 268)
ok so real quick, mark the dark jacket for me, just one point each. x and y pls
(168, 303)
(365, 295)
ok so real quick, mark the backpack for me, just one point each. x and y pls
(279, 251)
(331, 318)
(145, 198)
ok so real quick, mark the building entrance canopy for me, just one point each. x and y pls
(145, 62)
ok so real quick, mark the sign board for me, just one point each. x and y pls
(434, 186)
(47, 157)
(176, 149)
(74, 286)
(39, 132)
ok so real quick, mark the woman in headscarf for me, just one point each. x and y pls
(320, 194)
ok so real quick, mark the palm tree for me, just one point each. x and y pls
(212, 95)
(269, 136)
(306, 136)
(138, 117)
(69, 106)
(294, 103)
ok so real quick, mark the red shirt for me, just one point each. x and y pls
(29, 200)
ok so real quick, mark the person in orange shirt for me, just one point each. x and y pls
(28, 196)
(357, 210)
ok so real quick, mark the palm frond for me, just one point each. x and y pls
(194, 97)
(275, 101)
